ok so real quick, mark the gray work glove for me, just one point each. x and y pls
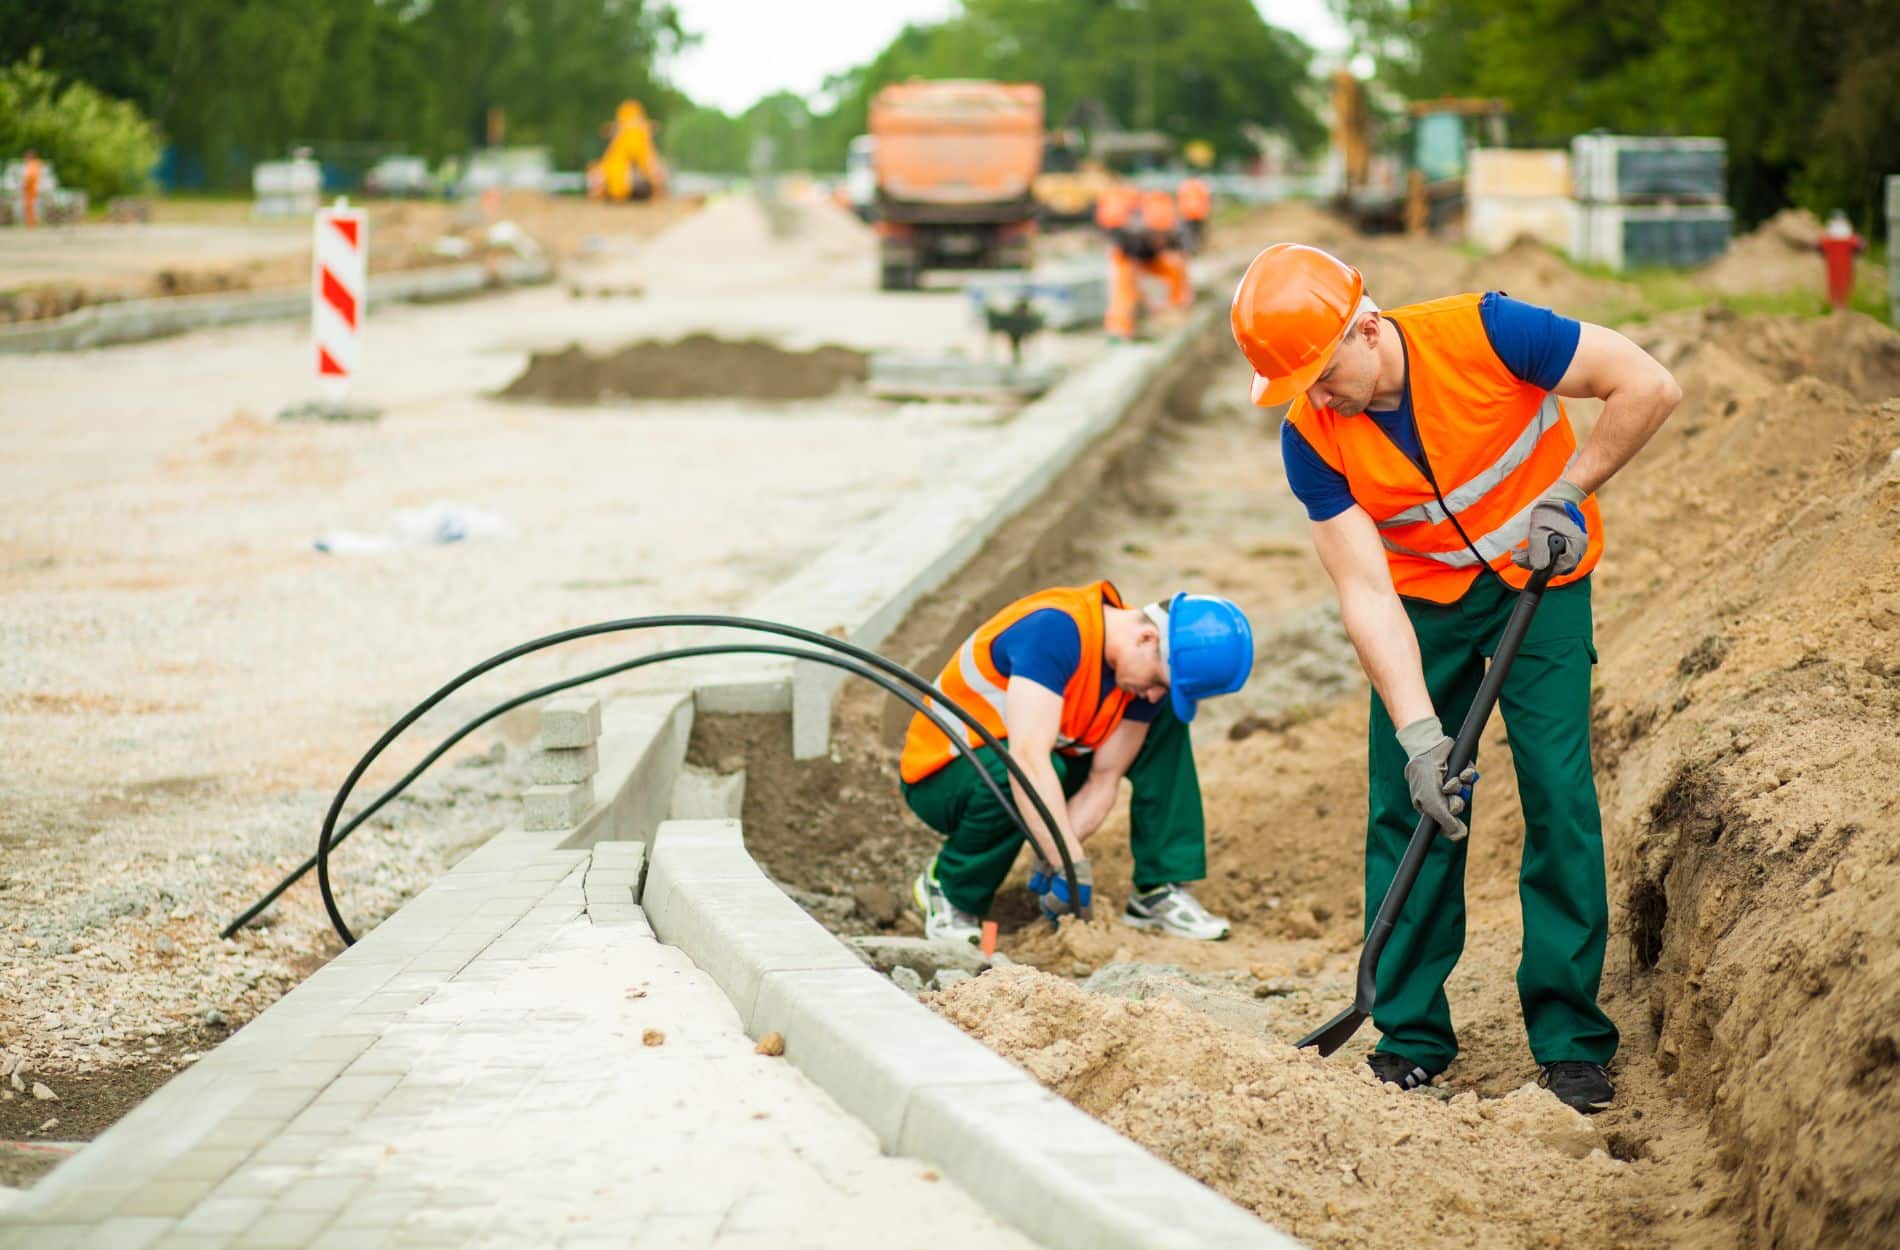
(1559, 512)
(1056, 902)
(1433, 793)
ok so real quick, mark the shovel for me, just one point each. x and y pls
(1330, 1036)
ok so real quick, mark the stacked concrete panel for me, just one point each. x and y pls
(563, 765)
(1646, 202)
(1512, 194)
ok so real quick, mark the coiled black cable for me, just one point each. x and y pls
(327, 836)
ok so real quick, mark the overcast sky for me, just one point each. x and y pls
(751, 48)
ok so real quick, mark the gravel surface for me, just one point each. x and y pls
(184, 680)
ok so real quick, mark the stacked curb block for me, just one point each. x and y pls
(135, 320)
(927, 1091)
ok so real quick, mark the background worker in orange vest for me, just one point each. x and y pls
(1143, 237)
(30, 168)
(1435, 461)
(1083, 691)
(1197, 204)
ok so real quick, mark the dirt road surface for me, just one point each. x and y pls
(1747, 619)
(184, 678)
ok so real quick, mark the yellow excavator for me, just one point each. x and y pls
(630, 168)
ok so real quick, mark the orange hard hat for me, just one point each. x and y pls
(1291, 310)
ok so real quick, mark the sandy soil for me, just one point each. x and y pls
(1746, 610)
(698, 366)
(184, 679)
(46, 273)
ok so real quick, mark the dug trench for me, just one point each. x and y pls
(1749, 633)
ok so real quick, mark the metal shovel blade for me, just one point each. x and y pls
(1336, 1032)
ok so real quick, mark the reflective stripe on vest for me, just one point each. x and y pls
(1091, 711)
(1498, 442)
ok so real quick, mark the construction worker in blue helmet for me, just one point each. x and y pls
(1083, 691)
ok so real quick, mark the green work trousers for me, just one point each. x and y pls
(1546, 705)
(1168, 833)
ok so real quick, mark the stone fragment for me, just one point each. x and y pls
(43, 1093)
(906, 979)
(653, 1037)
(771, 1044)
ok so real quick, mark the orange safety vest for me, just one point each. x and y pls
(1089, 713)
(1196, 200)
(1495, 445)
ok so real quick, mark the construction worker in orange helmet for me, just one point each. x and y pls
(1084, 691)
(1143, 238)
(1435, 460)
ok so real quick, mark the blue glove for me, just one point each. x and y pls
(1056, 902)
(1559, 512)
(1040, 873)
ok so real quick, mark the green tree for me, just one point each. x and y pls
(1805, 92)
(1204, 70)
(103, 146)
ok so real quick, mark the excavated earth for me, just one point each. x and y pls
(1749, 631)
(699, 366)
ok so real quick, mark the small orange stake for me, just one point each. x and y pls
(989, 939)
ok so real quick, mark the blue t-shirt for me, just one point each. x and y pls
(1046, 647)
(1534, 343)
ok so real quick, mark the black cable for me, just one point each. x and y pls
(613, 670)
(326, 835)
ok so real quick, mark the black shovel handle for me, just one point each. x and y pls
(1333, 1034)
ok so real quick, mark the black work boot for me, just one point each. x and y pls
(1398, 1070)
(1585, 1086)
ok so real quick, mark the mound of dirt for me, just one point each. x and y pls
(699, 366)
(1748, 757)
(1320, 1149)
(1780, 255)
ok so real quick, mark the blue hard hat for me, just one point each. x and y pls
(1210, 650)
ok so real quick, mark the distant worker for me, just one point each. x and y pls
(1083, 692)
(1839, 246)
(1197, 204)
(1144, 237)
(1435, 462)
(30, 169)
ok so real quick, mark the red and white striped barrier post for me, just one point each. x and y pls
(339, 289)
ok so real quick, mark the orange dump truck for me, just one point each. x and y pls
(955, 161)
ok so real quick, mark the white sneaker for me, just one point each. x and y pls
(942, 921)
(1172, 909)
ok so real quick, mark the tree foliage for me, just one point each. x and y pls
(1806, 92)
(233, 81)
(1197, 71)
(103, 146)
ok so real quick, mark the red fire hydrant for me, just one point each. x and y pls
(1839, 246)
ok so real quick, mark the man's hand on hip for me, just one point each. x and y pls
(1433, 793)
(1559, 512)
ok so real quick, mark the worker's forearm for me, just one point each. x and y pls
(1049, 786)
(1630, 416)
(1092, 803)
(1388, 650)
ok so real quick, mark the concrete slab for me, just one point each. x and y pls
(572, 1082)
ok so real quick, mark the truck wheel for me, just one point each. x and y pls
(897, 278)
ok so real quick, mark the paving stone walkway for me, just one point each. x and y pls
(513, 1060)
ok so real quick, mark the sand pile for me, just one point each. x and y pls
(1780, 256)
(1320, 1149)
(1749, 756)
(699, 366)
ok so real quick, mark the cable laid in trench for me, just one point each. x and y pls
(327, 835)
(448, 743)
